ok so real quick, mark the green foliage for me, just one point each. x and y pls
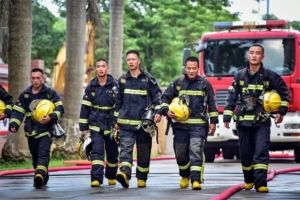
(48, 34)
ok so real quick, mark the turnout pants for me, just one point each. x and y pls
(143, 144)
(40, 152)
(254, 150)
(99, 142)
(189, 151)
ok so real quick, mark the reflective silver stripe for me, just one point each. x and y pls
(196, 168)
(58, 103)
(185, 166)
(116, 114)
(112, 164)
(87, 103)
(127, 164)
(9, 107)
(247, 168)
(141, 169)
(228, 112)
(83, 121)
(135, 92)
(260, 166)
(97, 162)
(213, 114)
(18, 108)
(94, 128)
(15, 120)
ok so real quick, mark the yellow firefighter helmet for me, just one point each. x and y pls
(180, 109)
(84, 147)
(2, 107)
(271, 101)
(44, 107)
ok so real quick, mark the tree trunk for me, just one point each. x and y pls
(74, 74)
(116, 37)
(19, 56)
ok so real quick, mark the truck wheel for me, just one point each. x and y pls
(227, 153)
(297, 155)
(209, 154)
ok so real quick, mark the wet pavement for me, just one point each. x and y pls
(163, 183)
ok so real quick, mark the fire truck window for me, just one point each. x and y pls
(226, 57)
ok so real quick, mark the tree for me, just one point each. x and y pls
(19, 61)
(116, 37)
(3, 29)
(75, 54)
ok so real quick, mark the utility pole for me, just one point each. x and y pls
(268, 7)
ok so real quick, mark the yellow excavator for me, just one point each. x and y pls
(58, 77)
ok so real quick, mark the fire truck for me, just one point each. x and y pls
(223, 53)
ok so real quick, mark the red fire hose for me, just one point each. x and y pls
(234, 189)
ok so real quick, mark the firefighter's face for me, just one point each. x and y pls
(101, 68)
(255, 55)
(36, 79)
(132, 61)
(192, 69)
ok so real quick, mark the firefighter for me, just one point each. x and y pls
(38, 122)
(247, 92)
(190, 134)
(6, 103)
(138, 91)
(96, 115)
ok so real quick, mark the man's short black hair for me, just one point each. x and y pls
(37, 70)
(101, 59)
(134, 52)
(258, 45)
(192, 59)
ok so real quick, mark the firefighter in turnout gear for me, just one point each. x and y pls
(138, 92)
(37, 132)
(247, 92)
(96, 115)
(6, 103)
(190, 134)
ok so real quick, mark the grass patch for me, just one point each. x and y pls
(13, 165)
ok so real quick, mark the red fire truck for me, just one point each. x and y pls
(224, 53)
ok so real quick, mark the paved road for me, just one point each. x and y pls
(163, 183)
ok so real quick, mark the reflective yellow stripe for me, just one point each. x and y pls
(58, 114)
(285, 103)
(116, 114)
(9, 107)
(247, 118)
(94, 128)
(260, 166)
(213, 114)
(18, 108)
(202, 169)
(59, 103)
(87, 103)
(129, 122)
(97, 162)
(164, 105)
(112, 164)
(107, 132)
(123, 164)
(32, 133)
(26, 96)
(141, 169)
(157, 107)
(41, 134)
(247, 168)
(42, 168)
(135, 92)
(29, 114)
(228, 112)
(241, 82)
(184, 167)
(123, 80)
(193, 121)
(266, 83)
(104, 108)
(192, 92)
(196, 168)
(15, 120)
(83, 121)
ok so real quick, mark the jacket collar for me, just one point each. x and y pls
(109, 81)
(43, 89)
(128, 75)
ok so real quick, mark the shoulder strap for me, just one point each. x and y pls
(93, 92)
(123, 81)
(26, 98)
(49, 92)
(242, 77)
(180, 83)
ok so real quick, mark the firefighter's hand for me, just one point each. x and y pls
(3, 116)
(226, 124)
(117, 127)
(157, 118)
(14, 130)
(212, 128)
(83, 133)
(278, 119)
(46, 119)
(171, 115)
